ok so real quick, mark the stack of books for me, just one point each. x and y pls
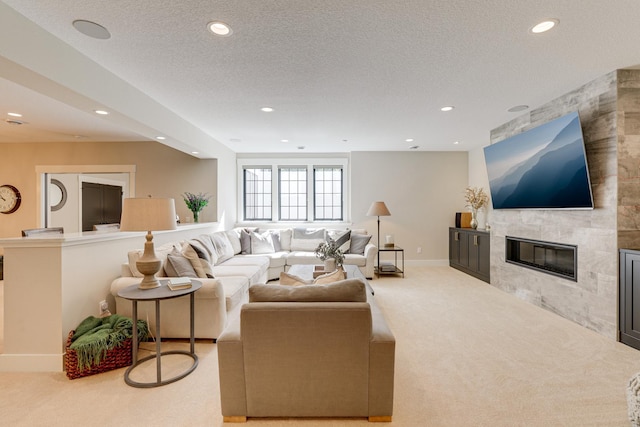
(387, 267)
(177, 283)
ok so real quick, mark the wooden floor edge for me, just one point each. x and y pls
(237, 419)
(382, 419)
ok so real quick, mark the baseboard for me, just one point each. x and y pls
(31, 362)
(426, 263)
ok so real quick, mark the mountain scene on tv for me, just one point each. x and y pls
(544, 168)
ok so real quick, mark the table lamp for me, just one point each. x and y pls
(148, 214)
(378, 209)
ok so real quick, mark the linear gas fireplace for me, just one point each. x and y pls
(552, 258)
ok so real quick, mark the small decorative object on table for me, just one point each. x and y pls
(177, 283)
(330, 253)
(195, 203)
(476, 199)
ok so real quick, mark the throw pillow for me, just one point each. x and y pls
(287, 279)
(349, 290)
(205, 241)
(334, 276)
(178, 266)
(306, 239)
(261, 243)
(285, 239)
(189, 253)
(342, 238)
(208, 270)
(275, 238)
(245, 242)
(200, 249)
(234, 239)
(359, 243)
(222, 245)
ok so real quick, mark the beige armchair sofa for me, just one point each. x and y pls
(307, 351)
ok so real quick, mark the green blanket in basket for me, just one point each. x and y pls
(95, 336)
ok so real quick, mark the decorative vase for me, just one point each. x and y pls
(474, 218)
(329, 264)
(196, 216)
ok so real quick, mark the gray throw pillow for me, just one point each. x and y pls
(179, 266)
(359, 243)
(245, 242)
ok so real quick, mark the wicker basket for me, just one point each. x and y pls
(118, 357)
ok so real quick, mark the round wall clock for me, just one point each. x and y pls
(9, 199)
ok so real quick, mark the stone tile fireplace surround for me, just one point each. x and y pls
(609, 109)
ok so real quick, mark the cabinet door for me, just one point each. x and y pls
(459, 248)
(484, 251)
(454, 246)
(474, 252)
(630, 298)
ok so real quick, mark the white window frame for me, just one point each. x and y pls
(309, 163)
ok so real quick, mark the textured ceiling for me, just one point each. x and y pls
(341, 75)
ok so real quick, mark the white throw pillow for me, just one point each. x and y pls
(285, 239)
(223, 246)
(261, 243)
(306, 239)
(234, 239)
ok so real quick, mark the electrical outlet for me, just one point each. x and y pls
(103, 307)
(419, 250)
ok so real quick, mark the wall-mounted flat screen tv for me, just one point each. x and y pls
(542, 168)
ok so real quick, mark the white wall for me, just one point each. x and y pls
(423, 191)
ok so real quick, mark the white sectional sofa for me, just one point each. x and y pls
(228, 263)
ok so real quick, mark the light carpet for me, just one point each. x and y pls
(467, 354)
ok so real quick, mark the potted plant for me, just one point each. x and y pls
(330, 253)
(195, 203)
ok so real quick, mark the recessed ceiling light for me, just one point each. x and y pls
(219, 28)
(266, 109)
(456, 142)
(414, 147)
(14, 114)
(91, 29)
(409, 140)
(195, 152)
(160, 138)
(345, 140)
(101, 112)
(447, 108)
(518, 108)
(284, 140)
(301, 147)
(544, 26)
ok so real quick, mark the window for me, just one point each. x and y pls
(328, 193)
(292, 190)
(257, 194)
(295, 189)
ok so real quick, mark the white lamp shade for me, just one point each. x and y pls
(378, 209)
(147, 214)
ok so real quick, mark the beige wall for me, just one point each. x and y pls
(422, 190)
(160, 171)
